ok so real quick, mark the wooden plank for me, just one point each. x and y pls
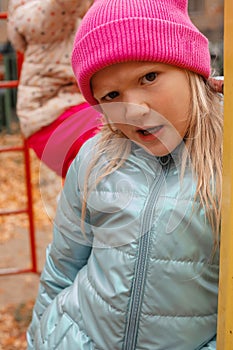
(225, 306)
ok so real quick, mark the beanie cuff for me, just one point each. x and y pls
(162, 41)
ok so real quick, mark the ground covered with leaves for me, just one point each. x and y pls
(15, 317)
(14, 320)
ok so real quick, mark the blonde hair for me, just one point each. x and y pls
(203, 150)
(204, 146)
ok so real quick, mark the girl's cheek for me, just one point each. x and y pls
(114, 112)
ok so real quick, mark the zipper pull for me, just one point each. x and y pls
(165, 160)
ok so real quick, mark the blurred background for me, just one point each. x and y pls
(18, 290)
(207, 15)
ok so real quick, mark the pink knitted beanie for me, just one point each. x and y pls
(116, 31)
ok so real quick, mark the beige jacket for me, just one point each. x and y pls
(44, 31)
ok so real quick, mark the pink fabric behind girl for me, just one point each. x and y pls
(58, 143)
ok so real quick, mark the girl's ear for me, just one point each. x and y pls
(217, 84)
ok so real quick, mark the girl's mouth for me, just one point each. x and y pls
(150, 131)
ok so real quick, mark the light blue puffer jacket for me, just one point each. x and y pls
(145, 280)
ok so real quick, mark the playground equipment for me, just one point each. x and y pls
(23, 148)
(225, 307)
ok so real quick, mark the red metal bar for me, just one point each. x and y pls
(14, 271)
(28, 210)
(8, 84)
(29, 207)
(14, 212)
(11, 149)
(3, 15)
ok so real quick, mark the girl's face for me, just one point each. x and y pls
(148, 102)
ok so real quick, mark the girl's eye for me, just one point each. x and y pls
(111, 95)
(149, 77)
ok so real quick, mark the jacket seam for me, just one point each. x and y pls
(116, 192)
(118, 250)
(184, 262)
(179, 316)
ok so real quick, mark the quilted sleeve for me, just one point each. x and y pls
(66, 255)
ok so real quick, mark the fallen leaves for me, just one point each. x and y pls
(45, 185)
(14, 321)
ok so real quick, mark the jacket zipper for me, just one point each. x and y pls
(141, 264)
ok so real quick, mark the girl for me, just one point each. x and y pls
(134, 259)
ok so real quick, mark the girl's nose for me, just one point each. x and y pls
(136, 106)
(131, 110)
(135, 112)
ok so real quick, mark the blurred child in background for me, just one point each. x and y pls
(53, 115)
